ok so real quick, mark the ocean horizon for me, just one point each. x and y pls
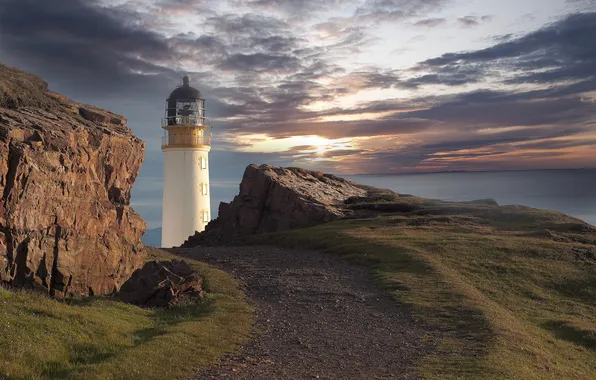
(571, 191)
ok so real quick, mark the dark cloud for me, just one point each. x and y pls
(449, 76)
(562, 51)
(89, 47)
(232, 25)
(280, 44)
(557, 144)
(523, 135)
(210, 48)
(487, 108)
(260, 62)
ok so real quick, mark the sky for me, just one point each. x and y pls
(341, 86)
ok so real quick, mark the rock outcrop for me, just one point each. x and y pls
(162, 284)
(66, 172)
(275, 199)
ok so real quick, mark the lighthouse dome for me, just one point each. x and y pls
(185, 92)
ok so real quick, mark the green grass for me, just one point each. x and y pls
(101, 338)
(21, 89)
(509, 291)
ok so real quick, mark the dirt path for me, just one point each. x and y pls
(317, 317)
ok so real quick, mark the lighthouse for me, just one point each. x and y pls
(186, 144)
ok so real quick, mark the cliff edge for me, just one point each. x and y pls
(274, 199)
(66, 172)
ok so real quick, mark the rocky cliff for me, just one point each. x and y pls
(276, 199)
(66, 172)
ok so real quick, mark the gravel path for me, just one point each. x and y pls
(317, 317)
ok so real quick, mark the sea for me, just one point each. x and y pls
(572, 192)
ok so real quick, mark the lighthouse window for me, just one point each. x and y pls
(186, 108)
(204, 187)
(203, 163)
(205, 216)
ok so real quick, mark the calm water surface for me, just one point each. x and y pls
(570, 191)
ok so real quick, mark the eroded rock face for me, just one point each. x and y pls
(275, 199)
(162, 284)
(66, 172)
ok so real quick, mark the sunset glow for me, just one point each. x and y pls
(342, 86)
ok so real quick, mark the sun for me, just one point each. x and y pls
(310, 144)
(321, 150)
(320, 145)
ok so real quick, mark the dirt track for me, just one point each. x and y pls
(318, 317)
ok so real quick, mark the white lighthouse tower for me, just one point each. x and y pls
(186, 145)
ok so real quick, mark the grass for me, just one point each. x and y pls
(101, 338)
(21, 89)
(510, 292)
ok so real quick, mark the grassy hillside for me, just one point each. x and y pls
(511, 290)
(101, 338)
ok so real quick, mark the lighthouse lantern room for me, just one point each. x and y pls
(186, 145)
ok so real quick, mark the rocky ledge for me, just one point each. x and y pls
(66, 172)
(275, 199)
(162, 284)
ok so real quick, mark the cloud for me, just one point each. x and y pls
(373, 12)
(390, 9)
(586, 5)
(250, 24)
(268, 75)
(260, 62)
(471, 21)
(90, 47)
(296, 6)
(561, 51)
(488, 108)
(172, 7)
(430, 22)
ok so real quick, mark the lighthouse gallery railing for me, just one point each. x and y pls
(185, 121)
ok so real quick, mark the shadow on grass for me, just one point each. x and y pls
(85, 301)
(165, 318)
(88, 353)
(56, 370)
(564, 331)
(464, 331)
(582, 288)
(93, 354)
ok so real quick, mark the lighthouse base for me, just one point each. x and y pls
(186, 199)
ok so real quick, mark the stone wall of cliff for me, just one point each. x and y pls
(66, 172)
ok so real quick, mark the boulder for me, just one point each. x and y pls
(275, 199)
(66, 172)
(162, 284)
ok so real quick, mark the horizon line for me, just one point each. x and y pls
(469, 171)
